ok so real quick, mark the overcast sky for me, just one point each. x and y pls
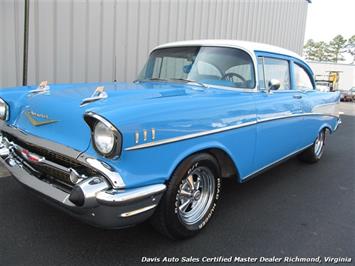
(328, 18)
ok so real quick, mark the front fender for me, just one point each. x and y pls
(154, 165)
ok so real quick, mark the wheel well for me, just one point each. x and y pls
(327, 129)
(225, 162)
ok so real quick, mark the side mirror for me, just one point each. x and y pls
(274, 85)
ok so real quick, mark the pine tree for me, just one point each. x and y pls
(336, 48)
(350, 47)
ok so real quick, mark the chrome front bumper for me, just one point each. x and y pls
(93, 199)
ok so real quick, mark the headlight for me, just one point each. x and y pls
(106, 139)
(3, 110)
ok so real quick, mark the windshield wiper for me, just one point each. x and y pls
(190, 81)
(173, 79)
(151, 79)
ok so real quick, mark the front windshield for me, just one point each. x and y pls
(222, 66)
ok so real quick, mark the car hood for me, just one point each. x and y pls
(57, 115)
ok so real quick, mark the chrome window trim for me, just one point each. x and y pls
(219, 130)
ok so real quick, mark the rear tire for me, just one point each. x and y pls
(190, 199)
(314, 153)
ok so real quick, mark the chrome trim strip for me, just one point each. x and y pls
(189, 136)
(121, 197)
(41, 160)
(214, 131)
(275, 162)
(101, 119)
(135, 212)
(55, 147)
(293, 115)
(339, 122)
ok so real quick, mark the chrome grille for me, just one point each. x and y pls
(52, 174)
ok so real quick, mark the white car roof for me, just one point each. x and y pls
(247, 46)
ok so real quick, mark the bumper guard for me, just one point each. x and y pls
(93, 199)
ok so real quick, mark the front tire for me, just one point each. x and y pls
(190, 199)
(314, 153)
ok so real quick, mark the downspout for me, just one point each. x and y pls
(25, 42)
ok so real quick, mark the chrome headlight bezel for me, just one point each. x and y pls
(4, 110)
(94, 120)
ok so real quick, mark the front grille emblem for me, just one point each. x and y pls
(40, 120)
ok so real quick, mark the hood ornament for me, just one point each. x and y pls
(40, 120)
(98, 94)
(42, 88)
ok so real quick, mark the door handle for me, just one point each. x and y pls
(297, 96)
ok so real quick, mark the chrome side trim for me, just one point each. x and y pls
(135, 212)
(189, 136)
(275, 162)
(218, 130)
(121, 197)
(293, 115)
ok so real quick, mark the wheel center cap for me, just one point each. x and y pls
(197, 195)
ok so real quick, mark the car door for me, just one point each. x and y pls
(313, 102)
(279, 113)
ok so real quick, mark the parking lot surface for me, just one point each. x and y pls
(294, 209)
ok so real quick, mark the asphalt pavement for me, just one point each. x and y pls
(294, 209)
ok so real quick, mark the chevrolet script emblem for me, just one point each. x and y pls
(38, 119)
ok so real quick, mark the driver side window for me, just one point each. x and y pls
(240, 71)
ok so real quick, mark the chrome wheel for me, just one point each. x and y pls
(195, 195)
(319, 143)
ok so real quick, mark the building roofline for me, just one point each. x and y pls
(329, 63)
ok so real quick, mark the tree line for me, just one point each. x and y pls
(332, 51)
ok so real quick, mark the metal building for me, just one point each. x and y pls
(97, 40)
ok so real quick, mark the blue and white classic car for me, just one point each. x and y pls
(116, 154)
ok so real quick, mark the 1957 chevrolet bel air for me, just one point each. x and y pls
(116, 154)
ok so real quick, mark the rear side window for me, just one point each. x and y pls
(277, 69)
(303, 81)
